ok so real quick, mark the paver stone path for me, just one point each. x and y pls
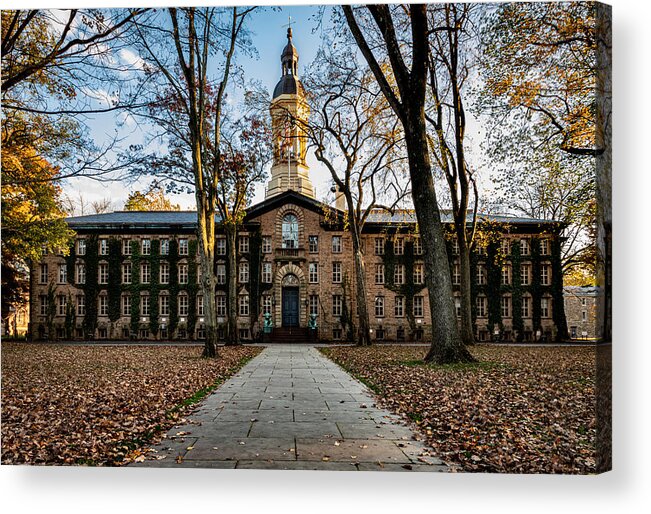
(292, 408)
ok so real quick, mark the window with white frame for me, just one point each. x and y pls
(103, 273)
(399, 246)
(379, 246)
(314, 305)
(103, 246)
(313, 272)
(505, 246)
(184, 246)
(379, 273)
(80, 270)
(525, 247)
(481, 274)
(43, 304)
(126, 304)
(244, 272)
(290, 231)
(144, 304)
(505, 305)
(200, 305)
(399, 306)
(418, 246)
(456, 273)
(455, 246)
(184, 304)
(526, 306)
(418, 308)
(244, 305)
(61, 305)
(266, 304)
(244, 244)
(165, 246)
(183, 273)
(419, 273)
(313, 244)
(221, 245)
(145, 273)
(126, 246)
(220, 302)
(164, 273)
(506, 275)
(81, 247)
(63, 273)
(379, 306)
(164, 304)
(336, 304)
(399, 274)
(221, 273)
(546, 307)
(336, 272)
(43, 275)
(545, 274)
(102, 309)
(145, 246)
(336, 244)
(481, 250)
(266, 273)
(81, 305)
(544, 247)
(482, 304)
(126, 272)
(525, 274)
(266, 244)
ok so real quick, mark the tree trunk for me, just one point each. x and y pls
(206, 236)
(446, 344)
(363, 329)
(232, 334)
(465, 330)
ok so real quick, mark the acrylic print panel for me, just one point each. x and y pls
(382, 245)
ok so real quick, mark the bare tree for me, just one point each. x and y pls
(407, 98)
(102, 206)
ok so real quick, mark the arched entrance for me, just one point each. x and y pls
(290, 301)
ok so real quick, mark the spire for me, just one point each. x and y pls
(289, 57)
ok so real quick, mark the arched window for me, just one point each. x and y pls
(290, 231)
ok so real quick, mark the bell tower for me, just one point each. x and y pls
(289, 113)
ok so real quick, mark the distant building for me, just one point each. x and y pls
(17, 321)
(581, 311)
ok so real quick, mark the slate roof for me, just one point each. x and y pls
(139, 219)
(409, 216)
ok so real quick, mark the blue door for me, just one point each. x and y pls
(290, 306)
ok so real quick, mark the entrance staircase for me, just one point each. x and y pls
(290, 335)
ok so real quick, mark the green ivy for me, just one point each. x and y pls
(91, 288)
(114, 265)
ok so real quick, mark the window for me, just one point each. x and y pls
(379, 273)
(244, 244)
(583, 302)
(220, 301)
(336, 272)
(61, 305)
(244, 305)
(481, 306)
(43, 274)
(546, 274)
(418, 246)
(481, 274)
(379, 334)
(43, 304)
(399, 246)
(266, 304)
(313, 273)
(456, 274)
(399, 307)
(505, 303)
(221, 245)
(418, 306)
(126, 273)
(544, 247)
(244, 272)
(81, 305)
(314, 305)
(63, 273)
(266, 272)
(419, 274)
(81, 247)
(545, 307)
(336, 305)
(103, 273)
(399, 274)
(144, 305)
(221, 273)
(146, 246)
(379, 306)
(266, 244)
(313, 243)
(526, 306)
(379, 246)
(336, 334)
(457, 305)
(164, 246)
(183, 273)
(145, 273)
(103, 246)
(525, 274)
(183, 304)
(102, 310)
(481, 250)
(455, 246)
(164, 273)
(584, 316)
(244, 334)
(126, 305)
(164, 304)
(184, 248)
(525, 247)
(290, 231)
(200, 305)
(506, 275)
(126, 247)
(505, 246)
(336, 244)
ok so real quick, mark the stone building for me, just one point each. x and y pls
(581, 311)
(134, 275)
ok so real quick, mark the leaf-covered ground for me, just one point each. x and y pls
(519, 410)
(94, 405)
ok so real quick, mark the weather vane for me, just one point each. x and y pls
(289, 24)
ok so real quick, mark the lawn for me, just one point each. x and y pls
(96, 404)
(519, 410)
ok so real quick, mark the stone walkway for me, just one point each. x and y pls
(292, 408)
